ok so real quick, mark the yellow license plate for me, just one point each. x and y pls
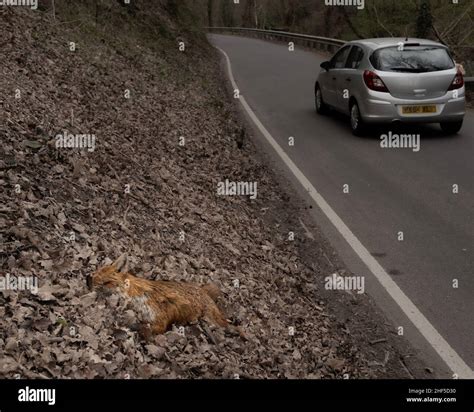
(418, 109)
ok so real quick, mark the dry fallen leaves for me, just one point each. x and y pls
(71, 212)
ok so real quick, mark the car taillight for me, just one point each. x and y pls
(458, 81)
(374, 82)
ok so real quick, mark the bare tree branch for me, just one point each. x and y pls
(350, 24)
(439, 35)
(456, 22)
(380, 23)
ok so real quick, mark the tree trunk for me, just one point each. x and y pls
(210, 11)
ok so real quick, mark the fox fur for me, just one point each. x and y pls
(160, 304)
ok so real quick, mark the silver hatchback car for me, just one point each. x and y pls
(393, 80)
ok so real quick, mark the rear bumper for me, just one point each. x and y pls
(377, 107)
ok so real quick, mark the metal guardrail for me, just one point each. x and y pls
(321, 43)
(317, 42)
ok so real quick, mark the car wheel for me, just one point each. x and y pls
(451, 127)
(357, 123)
(321, 107)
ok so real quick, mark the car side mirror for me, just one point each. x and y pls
(326, 65)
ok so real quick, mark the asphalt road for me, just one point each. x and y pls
(391, 190)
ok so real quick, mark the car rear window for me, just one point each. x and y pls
(412, 59)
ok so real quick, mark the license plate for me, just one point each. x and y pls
(418, 109)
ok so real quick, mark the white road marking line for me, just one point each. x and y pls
(429, 332)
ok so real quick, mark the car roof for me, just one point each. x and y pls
(393, 41)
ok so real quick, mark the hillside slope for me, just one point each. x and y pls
(139, 189)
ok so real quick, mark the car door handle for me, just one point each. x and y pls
(348, 80)
(334, 78)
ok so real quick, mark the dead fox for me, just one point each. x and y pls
(161, 304)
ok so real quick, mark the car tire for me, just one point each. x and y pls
(451, 127)
(321, 107)
(358, 125)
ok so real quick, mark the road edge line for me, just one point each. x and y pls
(427, 330)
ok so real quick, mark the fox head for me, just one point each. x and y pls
(112, 277)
